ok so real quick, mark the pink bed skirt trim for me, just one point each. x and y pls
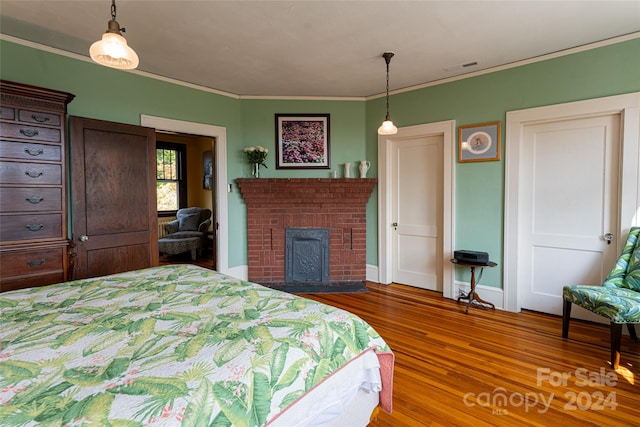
(386, 360)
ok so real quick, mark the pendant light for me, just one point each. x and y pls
(112, 51)
(387, 127)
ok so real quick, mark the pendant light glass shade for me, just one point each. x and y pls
(113, 51)
(387, 127)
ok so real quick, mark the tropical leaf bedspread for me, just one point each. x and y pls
(170, 345)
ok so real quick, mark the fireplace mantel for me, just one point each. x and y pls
(275, 204)
(348, 191)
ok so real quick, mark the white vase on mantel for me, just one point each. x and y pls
(347, 170)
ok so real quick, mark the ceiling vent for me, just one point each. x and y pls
(461, 66)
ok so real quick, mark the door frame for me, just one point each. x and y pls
(628, 107)
(445, 129)
(221, 204)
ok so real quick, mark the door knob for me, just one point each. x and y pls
(608, 237)
(84, 238)
(395, 225)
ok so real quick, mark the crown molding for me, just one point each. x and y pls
(83, 58)
(546, 57)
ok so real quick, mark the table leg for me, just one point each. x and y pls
(472, 292)
(473, 295)
(480, 300)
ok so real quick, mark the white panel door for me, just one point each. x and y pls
(569, 202)
(417, 210)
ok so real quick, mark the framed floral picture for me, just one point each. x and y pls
(302, 141)
(479, 143)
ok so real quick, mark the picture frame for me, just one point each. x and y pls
(207, 170)
(479, 142)
(302, 141)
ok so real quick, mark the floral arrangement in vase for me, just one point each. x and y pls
(256, 157)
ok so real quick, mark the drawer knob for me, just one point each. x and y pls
(29, 132)
(35, 227)
(40, 118)
(34, 151)
(34, 200)
(34, 174)
(35, 262)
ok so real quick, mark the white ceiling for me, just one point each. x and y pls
(322, 48)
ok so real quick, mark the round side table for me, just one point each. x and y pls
(473, 295)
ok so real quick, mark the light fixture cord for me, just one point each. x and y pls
(113, 9)
(387, 61)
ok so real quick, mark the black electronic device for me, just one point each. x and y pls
(472, 257)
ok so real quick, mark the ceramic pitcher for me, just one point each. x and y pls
(364, 167)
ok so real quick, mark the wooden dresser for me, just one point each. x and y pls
(33, 186)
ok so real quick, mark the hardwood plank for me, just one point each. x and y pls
(452, 368)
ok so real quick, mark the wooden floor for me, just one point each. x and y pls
(490, 368)
(494, 367)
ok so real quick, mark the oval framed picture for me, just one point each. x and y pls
(479, 142)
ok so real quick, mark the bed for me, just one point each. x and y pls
(184, 345)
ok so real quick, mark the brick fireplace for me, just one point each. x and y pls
(277, 204)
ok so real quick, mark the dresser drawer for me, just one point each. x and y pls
(7, 113)
(30, 173)
(32, 267)
(15, 283)
(30, 226)
(31, 262)
(25, 131)
(38, 117)
(30, 199)
(30, 151)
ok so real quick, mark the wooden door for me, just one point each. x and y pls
(113, 197)
(569, 207)
(417, 211)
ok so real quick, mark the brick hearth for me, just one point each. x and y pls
(275, 204)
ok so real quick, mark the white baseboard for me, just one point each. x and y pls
(487, 293)
(239, 271)
(372, 273)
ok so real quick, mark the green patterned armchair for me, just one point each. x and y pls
(618, 299)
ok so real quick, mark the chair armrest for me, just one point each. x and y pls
(204, 226)
(172, 226)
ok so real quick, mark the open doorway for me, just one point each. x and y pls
(185, 179)
(220, 239)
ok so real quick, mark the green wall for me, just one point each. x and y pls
(113, 95)
(479, 197)
(107, 94)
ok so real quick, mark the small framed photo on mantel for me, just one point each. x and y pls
(479, 142)
(302, 141)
